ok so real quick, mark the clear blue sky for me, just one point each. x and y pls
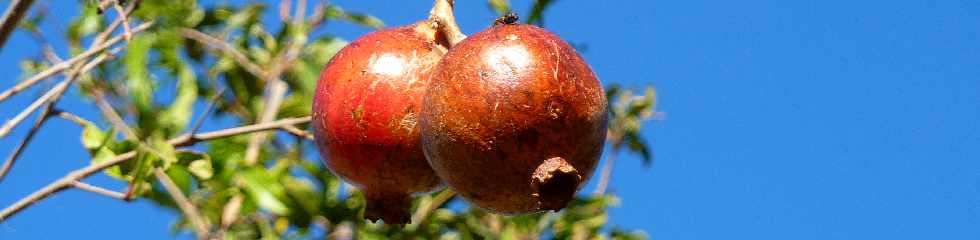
(784, 120)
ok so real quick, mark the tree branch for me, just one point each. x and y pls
(12, 158)
(422, 212)
(229, 214)
(109, 113)
(72, 118)
(11, 18)
(207, 110)
(276, 92)
(98, 190)
(606, 174)
(181, 141)
(53, 95)
(225, 48)
(57, 68)
(197, 221)
(295, 131)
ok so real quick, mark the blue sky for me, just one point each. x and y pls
(784, 120)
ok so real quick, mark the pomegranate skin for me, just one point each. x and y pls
(514, 120)
(365, 115)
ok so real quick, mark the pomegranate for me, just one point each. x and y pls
(514, 119)
(365, 115)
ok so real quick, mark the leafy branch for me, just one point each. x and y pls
(181, 141)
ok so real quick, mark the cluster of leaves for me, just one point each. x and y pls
(165, 73)
(628, 112)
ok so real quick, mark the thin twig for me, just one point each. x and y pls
(57, 68)
(606, 174)
(104, 4)
(11, 18)
(422, 212)
(186, 140)
(181, 141)
(300, 14)
(317, 16)
(295, 131)
(277, 89)
(48, 52)
(62, 184)
(109, 113)
(229, 214)
(273, 99)
(115, 24)
(8, 164)
(207, 110)
(10, 124)
(284, 6)
(124, 16)
(225, 48)
(94, 189)
(51, 96)
(72, 117)
(12, 158)
(197, 221)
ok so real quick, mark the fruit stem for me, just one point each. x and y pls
(391, 207)
(442, 15)
(556, 181)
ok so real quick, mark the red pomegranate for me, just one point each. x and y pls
(365, 115)
(514, 119)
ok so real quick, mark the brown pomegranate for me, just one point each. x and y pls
(365, 115)
(514, 119)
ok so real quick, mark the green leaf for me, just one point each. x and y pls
(621, 234)
(181, 178)
(33, 23)
(201, 168)
(537, 12)
(30, 67)
(335, 12)
(638, 145)
(265, 191)
(163, 151)
(365, 20)
(104, 154)
(312, 59)
(88, 23)
(138, 175)
(195, 17)
(500, 6)
(138, 79)
(179, 113)
(304, 199)
(244, 17)
(198, 163)
(98, 143)
(94, 138)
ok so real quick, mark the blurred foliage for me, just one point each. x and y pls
(163, 75)
(627, 113)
